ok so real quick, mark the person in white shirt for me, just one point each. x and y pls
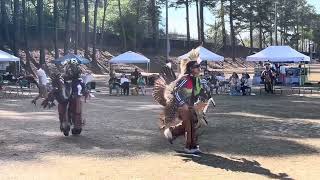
(87, 79)
(123, 79)
(42, 85)
(124, 82)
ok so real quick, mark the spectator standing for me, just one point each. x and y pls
(42, 85)
(234, 84)
(283, 74)
(268, 78)
(114, 84)
(141, 82)
(135, 76)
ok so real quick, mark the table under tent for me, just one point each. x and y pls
(6, 59)
(286, 61)
(283, 56)
(130, 58)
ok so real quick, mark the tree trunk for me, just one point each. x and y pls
(105, 5)
(281, 34)
(188, 24)
(64, 4)
(155, 24)
(86, 35)
(77, 24)
(4, 27)
(16, 27)
(241, 40)
(260, 23)
(80, 26)
(233, 43)
(56, 23)
(198, 21)
(271, 38)
(285, 35)
(136, 24)
(25, 37)
(41, 31)
(201, 3)
(67, 29)
(124, 37)
(302, 38)
(94, 58)
(251, 35)
(223, 25)
(260, 35)
(264, 39)
(298, 37)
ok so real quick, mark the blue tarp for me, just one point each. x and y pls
(70, 58)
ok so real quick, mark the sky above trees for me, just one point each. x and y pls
(177, 19)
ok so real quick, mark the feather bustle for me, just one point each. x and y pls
(159, 91)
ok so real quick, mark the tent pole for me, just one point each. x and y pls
(223, 68)
(305, 74)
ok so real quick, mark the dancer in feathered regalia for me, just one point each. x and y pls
(185, 102)
(67, 90)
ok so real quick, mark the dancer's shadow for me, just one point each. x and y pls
(232, 164)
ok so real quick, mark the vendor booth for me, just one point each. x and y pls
(131, 58)
(203, 56)
(286, 63)
(5, 59)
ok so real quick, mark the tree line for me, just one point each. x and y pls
(84, 22)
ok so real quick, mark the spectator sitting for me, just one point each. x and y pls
(245, 83)
(23, 82)
(204, 83)
(141, 83)
(125, 84)
(151, 80)
(235, 84)
(214, 84)
(9, 77)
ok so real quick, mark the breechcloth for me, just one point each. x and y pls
(75, 109)
(268, 87)
(186, 127)
(62, 109)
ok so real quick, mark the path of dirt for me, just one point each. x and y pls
(255, 137)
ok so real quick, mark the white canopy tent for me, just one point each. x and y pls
(6, 57)
(131, 58)
(279, 54)
(204, 55)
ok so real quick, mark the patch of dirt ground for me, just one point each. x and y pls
(256, 137)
